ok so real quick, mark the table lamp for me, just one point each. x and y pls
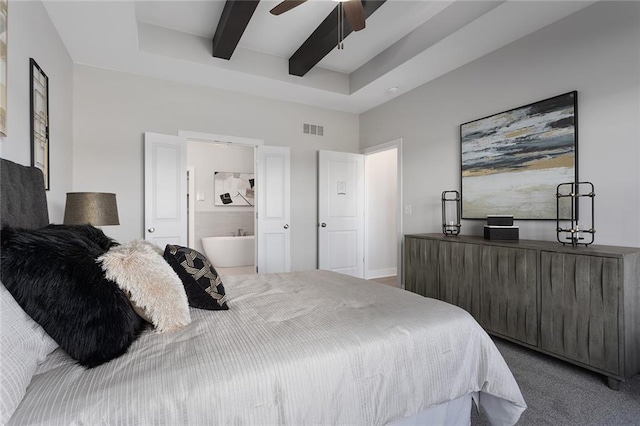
(94, 208)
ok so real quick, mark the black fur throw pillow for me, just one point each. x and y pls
(52, 273)
(201, 281)
(87, 231)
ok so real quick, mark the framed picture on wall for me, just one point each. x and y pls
(4, 19)
(234, 189)
(512, 162)
(39, 102)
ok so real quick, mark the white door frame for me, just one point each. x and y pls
(396, 143)
(212, 137)
(191, 206)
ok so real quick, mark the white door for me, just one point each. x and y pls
(273, 189)
(165, 189)
(341, 212)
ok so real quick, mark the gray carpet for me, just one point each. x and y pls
(558, 393)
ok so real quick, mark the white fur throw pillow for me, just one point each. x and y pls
(151, 284)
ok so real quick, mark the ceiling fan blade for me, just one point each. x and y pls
(285, 6)
(354, 11)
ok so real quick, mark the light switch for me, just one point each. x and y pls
(199, 196)
(408, 209)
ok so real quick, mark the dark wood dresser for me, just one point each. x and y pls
(580, 304)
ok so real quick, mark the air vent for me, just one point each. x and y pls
(312, 129)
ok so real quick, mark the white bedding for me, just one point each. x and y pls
(300, 348)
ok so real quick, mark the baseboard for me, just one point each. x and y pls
(381, 273)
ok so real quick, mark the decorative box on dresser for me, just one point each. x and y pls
(580, 304)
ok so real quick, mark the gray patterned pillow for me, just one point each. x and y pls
(200, 279)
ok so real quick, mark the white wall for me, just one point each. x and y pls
(596, 52)
(381, 172)
(32, 35)
(112, 110)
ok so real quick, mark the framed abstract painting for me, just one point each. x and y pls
(39, 102)
(4, 19)
(234, 189)
(512, 162)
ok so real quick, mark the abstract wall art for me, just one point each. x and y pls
(512, 162)
(4, 19)
(39, 118)
(234, 189)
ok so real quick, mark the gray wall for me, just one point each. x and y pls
(32, 35)
(112, 110)
(596, 52)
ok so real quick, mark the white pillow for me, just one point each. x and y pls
(151, 284)
(24, 346)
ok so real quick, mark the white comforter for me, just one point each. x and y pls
(299, 348)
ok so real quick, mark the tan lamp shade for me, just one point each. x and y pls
(94, 208)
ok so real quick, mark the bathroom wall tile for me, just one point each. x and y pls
(220, 224)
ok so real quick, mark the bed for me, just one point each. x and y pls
(312, 347)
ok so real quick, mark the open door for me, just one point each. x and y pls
(165, 189)
(341, 212)
(273, 189)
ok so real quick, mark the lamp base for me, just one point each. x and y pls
(451, 230)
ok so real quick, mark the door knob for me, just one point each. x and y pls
(324, 225)
(286, 226)
(151, 230)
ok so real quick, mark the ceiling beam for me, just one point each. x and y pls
(324, 39)
(234, 20)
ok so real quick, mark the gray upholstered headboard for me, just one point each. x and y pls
(23, 201)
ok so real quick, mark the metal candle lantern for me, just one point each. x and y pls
(573, 192)
(450, 213)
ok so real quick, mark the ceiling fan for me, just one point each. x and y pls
(353, 10)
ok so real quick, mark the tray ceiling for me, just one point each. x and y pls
(405, 44)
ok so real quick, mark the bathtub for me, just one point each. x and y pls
(230, 252)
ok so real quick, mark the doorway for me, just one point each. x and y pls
(341, 206)
(383, 212)
(165, 196)
(359, 212)
(222, 203)
(270, 220)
